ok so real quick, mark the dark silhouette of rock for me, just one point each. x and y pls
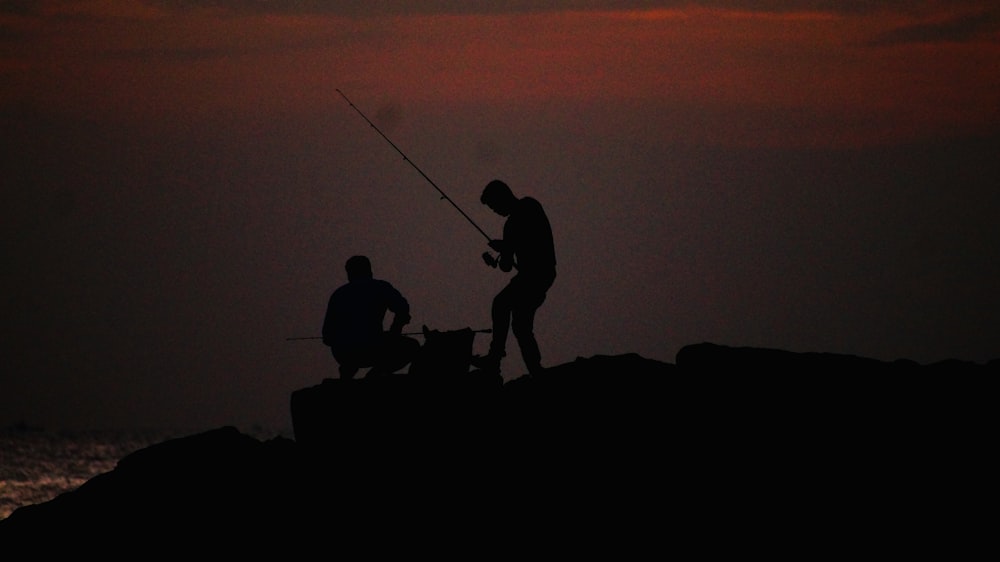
(605, 453)
(713, 358)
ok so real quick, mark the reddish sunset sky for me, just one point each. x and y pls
(183, 183)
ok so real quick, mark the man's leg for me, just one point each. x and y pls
(348, 371)
(348, 367)
(530, 299)
(503, 303)
(397, 353)
(523, 326)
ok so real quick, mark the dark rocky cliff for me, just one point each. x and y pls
(748, 448)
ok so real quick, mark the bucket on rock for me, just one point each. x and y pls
(444, 354)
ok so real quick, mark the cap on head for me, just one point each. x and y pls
(358, 267)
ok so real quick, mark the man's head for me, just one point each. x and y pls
(498, 196)
(358, 267)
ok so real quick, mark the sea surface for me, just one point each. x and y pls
(36, 465)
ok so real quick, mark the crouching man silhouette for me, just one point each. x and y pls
(353, 326)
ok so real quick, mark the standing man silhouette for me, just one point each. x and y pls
(353, 325)
(527, 246)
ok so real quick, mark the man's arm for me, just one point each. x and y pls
(506, 258)
(400, 309)
(399, 320)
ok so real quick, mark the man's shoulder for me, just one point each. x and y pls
(529, 205)
(383, 286)
(341, 293)
(362, 289)
(529, 209)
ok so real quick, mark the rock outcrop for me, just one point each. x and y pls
(608, 454)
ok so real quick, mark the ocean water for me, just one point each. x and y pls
(37, 465)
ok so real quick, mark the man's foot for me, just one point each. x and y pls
(489, 363)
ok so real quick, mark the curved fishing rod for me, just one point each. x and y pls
(443, 195)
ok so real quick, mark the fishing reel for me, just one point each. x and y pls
(490, 260)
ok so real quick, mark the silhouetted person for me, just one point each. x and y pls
(526, 246)
(353, 326)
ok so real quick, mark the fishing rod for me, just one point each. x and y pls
(443, 195)
(486, 331)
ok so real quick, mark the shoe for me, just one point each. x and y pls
(489, 363)
(536, 370)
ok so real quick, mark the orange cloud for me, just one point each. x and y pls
(797, 78)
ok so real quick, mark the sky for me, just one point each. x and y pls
(183, 182)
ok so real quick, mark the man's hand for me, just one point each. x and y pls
(498, 245)
(489, 259)
(506, 262)
(398, 322)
